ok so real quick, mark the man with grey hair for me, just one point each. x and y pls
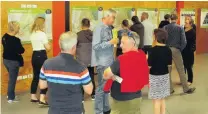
(64, 77)
(127, 76)
(102, 57)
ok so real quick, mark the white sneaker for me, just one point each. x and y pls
(12, 101)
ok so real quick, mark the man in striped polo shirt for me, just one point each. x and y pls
(64, 77)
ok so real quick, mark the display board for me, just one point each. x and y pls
(186, 12)
(121, 14)
(153, 14)
(204, 18)
(164, 11)
(78, 13)
(26, 19)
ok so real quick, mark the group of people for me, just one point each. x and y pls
(144, 57)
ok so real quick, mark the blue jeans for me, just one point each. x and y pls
(13, 70)
(101, 98)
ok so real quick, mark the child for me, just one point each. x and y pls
(159, 62)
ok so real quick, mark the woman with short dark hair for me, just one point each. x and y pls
(12, 57)
(160, 60)
(84, 50)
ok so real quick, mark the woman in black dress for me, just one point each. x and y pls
(188, 52)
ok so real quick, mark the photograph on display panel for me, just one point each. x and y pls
(164, 11)
(204, 18)
(26, 19)
(123, 13)
(78, 13)
(187, 12)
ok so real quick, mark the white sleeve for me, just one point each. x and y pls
(44, 38)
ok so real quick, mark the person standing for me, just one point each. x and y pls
(139, 29)
(165, 22)
(148, 32)
(160, 61)
(125, 28)
(12, 57)
(177, 42)
(133, 69)
(102, 57)
(84, 50)
(40, 44)
(65, 77)
(188, 52)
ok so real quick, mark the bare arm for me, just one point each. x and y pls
(86, 82)
(108, 74)
(88, 88)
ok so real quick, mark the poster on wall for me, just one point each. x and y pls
(164, 11)
(26, 19)
(186, 12)
(121, 14)
(153, 14)
(78, 13)
(204, 18)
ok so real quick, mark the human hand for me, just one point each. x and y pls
(114, 41)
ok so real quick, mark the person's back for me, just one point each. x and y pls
(139, 29)
(63, 74)
(176, 36)
(148, 32)
(165, 22)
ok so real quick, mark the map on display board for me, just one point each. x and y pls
(78, 13)
(163, 12)
(186, 12)
(26, 19)
(121, 14)
(153, 14)
(204, 18)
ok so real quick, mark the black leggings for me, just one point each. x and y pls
(91, 72)
(38, 58)
(189, 71)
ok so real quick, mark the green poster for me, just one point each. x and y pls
(204, 18)
(153, 14)
(186, 12)
(26, 19)
(78, 13)
(121, 14)
(163, 12)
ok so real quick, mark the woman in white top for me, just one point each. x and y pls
(40, 44)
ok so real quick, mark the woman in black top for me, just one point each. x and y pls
(160, 61)
(188, 52)
(12, 58)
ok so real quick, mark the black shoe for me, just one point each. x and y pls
(42, 104)
(108, 112)
(93, 97)
(34, 101)
(191, 90)
(172, 92)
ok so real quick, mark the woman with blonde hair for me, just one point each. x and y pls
(40, 44)
(12, 57)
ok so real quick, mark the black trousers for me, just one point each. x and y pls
(189, 71)
(38, 58)
(91, 72)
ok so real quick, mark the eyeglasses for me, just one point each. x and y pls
(130, 35)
